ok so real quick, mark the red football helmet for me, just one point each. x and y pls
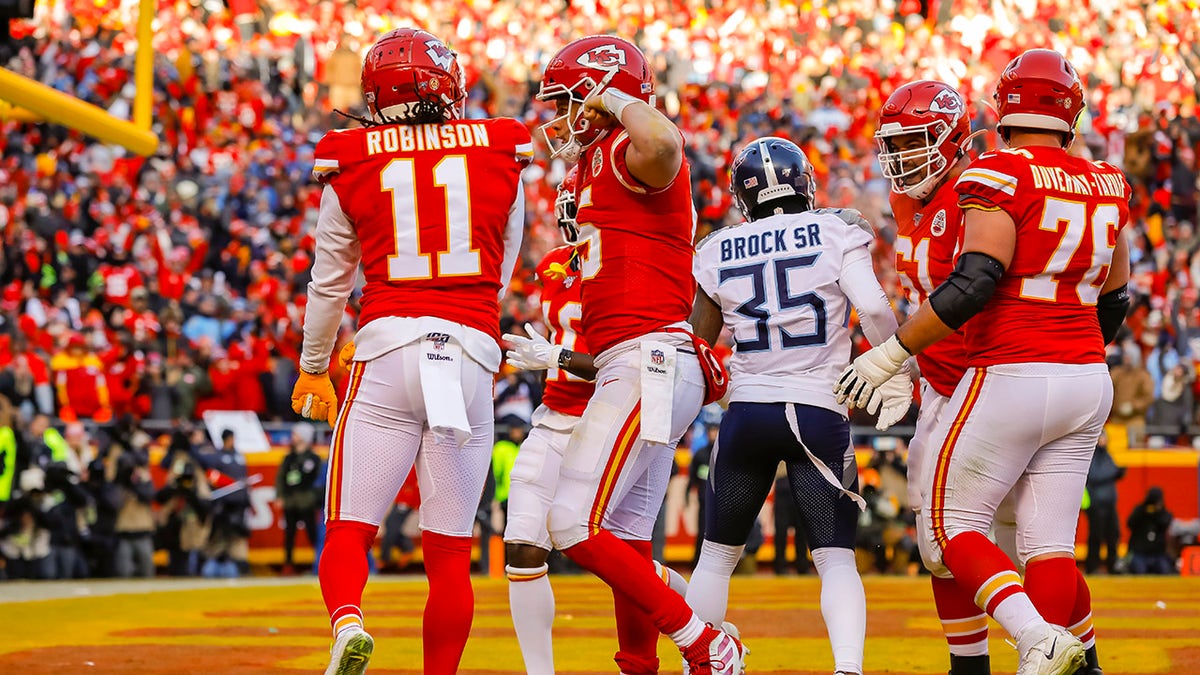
(585, 68)
(1040, 90)
(935, 111)
(565, 207)
(410, 76)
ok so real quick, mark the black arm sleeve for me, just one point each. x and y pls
(968, 288)
(1111, 309)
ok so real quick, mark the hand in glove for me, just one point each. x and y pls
(895, 397)
(346, 356)
(313, 397)
(531, 353)
(858, 383)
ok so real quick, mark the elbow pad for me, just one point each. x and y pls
(1111, 309)
(968, 288)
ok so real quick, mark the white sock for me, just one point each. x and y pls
(843, 606)
(686, 637)
(1021, 619)
(674, 580)
(708, 591)
(531, 602)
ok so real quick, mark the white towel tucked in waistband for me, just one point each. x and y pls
(441, 380)
(658, 390)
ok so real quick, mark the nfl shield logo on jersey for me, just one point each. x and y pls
(938, 226)
(657, 357)
(439, 340)
(597, 163)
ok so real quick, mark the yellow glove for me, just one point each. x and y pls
(346, 356)
(313, 397)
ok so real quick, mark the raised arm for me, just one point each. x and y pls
(655, 151)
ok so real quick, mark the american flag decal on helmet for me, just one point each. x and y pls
(1014, 98)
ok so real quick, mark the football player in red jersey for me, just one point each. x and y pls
(923, 137)
(431, 206)
(535, 474)
(1044, 269)
(636, 231)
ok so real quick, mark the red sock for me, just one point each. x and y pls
(637, 636)
(965, 625)
(620, 566)
(343, 570)
(981, 569)
(1081, 615)
(1051, 585)
(451, 603)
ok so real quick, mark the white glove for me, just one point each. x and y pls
(850, 216)
(858, 382)
(531, 353)
(896, 397)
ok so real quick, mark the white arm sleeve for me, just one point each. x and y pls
(334, 272)
(513, 234)
(859, 284)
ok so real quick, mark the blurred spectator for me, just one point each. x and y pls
(45, 444)
(63, 504)
(25, 543)
(1104, 526)
(698, 472)
(81, 382)
(299, 495)
(504, 455)
(8, 451)
(183, 515)
(408, 500)
(1148, 525)
(100, 544)
(1174, 408)
(1133, 394)
(787, 520)
(228, 548)
(514, 396)
(134, 526)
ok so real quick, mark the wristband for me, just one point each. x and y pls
(615, 102)
(564, 358)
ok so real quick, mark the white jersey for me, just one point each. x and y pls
(785, 285)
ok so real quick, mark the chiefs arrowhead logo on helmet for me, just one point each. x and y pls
(948, 102)
(439, 53)
(604, 57)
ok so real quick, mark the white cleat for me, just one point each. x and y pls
(1056, 652)
(350, 653)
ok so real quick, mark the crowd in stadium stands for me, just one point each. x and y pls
(141, 291)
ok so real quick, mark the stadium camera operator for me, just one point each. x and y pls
(62, 502)
(186, 507)
(135, 519)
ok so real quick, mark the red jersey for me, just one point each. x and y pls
(563, 312)
(1068, 213)
(119, 282)
(429, 204)
(635, 249)
(928, 238)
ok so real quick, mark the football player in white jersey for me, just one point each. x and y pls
(784, 282)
